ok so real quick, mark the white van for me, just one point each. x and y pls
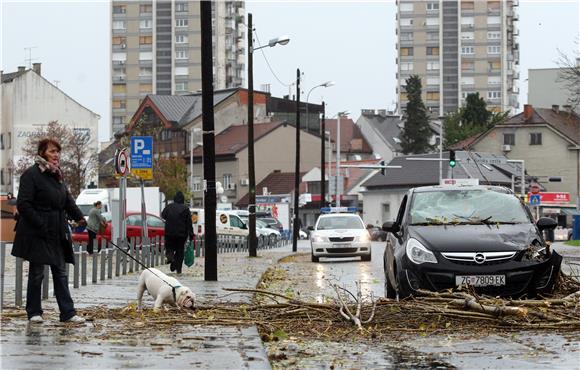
(227, 223)
(88, 197)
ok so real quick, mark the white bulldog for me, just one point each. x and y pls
(157, 284)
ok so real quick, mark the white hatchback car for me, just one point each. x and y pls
(340, 235)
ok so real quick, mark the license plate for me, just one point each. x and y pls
(480, 280)
(341, 245)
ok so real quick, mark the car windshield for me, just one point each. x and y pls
(261, 224)
(466, 207)
(339, 222)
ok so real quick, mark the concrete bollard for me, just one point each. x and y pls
(83, 265)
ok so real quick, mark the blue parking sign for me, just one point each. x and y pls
(141, 152)
(535, 199)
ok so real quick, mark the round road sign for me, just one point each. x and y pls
(535, 189)
(122, 162)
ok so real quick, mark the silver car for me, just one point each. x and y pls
(340, 235)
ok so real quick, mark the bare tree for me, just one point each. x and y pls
(569, 76)
(78, 164)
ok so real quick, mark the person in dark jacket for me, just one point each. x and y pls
(178, 228)
(42, 233)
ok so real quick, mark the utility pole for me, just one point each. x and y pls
(251, 161)
(210, 273)
(338, 191)
(297, 171)
(322, 159)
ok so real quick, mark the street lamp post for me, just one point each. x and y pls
(283, 40)
(322, 184)
(338, 191)
(296, 228)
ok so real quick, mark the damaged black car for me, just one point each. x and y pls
(483, 237)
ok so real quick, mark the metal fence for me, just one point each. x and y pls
(110, 262)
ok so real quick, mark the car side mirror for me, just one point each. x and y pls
(311, 228)
(546, 223)
(391, 227)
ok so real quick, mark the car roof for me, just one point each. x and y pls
(424, 189)
(338, 214)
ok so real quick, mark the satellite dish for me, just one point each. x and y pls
(224, 199)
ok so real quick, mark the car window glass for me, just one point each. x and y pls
(340, 222)
(401, 212)
(235, 221)
(466, 206)
(134, 220)
(155, 222)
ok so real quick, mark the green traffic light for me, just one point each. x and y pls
(451, 164)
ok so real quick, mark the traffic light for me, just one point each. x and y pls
(383, 169)
(452, 158)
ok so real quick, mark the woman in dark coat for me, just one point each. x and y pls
(42, 234)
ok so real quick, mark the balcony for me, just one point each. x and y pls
(119, 78)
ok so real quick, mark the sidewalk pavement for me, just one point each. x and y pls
(571, 255)
(54, 345)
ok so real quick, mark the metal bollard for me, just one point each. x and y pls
(45, 282)
(83, 265)
(138, 257)
(131, 245)
(77, 252)
(19, 277)
(103, 254)
(95, 257)
(118, 258)
(2, 268)
(124, 256)
(110, 255)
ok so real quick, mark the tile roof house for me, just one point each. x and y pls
(276, 183)
(353, 145)
(547, 139)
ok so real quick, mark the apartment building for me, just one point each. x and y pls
(156, 49)
(459, 47)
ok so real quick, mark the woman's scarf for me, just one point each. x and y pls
(44, 165)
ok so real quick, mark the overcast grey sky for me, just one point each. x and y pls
(349, 42)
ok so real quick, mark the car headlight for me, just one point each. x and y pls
(318, 239)
(364, 238)
(418, 254)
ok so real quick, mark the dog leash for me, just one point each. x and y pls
(147, 268)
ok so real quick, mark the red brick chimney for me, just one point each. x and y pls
(528, 112)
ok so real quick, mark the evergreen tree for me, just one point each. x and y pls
(416, 133)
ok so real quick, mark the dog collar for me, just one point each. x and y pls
(173, 291)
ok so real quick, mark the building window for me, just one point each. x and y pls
(467, 35)
(386, 212)
(118, 121)
(181, 22)
(406, 36)
(181, 71)
(181, 39)
(432, 66)
(406, 22)
(145, 24)
(494, 95)
(119, 58)
(432, 80)
(181, 86)
(119, 40)
(228, 181)
(119, 9)
(467, 81)
(404, 97)
(494, 80)
(467, 5)
(1, 141)
(509, 139)
(493, 49)
(433, 51)
(494, 35)
(181, 7)
(433, 95)
(467, 21)
(432, 7)
(145, 8)
(119, 104)
(467, 66)
(181, 54)
(196, 186)
(494, 66)
(494, 20)
(406, 7)
(145, 71)
(145, 55)
(536, 138)
(145, 40)
(432, 21)
(467, 50)
(405, 52)
(9, 141)
(432, 36)
(2, 176)
(119, 89)
(119, 25)
(407, 66)
(145, 88)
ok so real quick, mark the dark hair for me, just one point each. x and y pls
(43, 145)
(98, 202)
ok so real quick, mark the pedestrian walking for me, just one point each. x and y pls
(42, 233)
(95, 225)
(178, 228)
